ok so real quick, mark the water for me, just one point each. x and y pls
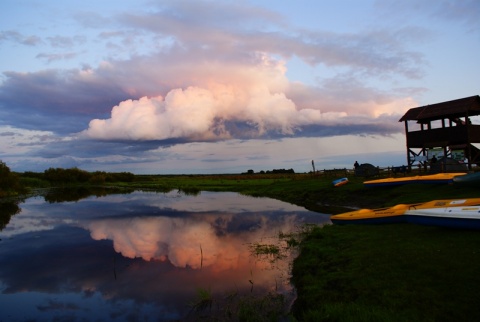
(140, 256)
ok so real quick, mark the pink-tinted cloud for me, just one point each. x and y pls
(256, 96)
(210, 51)
(236, 29)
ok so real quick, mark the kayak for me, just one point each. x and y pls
(340, 182)
(439, 178)
(396, 213)
(452, 217)
(372, 216)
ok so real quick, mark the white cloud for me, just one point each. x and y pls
(249, 95)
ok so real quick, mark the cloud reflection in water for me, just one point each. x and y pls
(143, 254)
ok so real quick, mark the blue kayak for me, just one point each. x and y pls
(339, 182)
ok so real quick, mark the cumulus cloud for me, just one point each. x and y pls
(201, 114)
(240, 101)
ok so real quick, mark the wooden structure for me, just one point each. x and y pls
(446, 126)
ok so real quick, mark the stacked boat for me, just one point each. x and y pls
(455, 213)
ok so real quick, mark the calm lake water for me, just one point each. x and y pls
(140, 256)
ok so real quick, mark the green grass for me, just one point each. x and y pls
(203, 301)
(34, 182)
(235, 307)
(265, 249)
(312, 192)
(397, 272)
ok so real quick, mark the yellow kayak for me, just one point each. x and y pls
(395, 214)
(372, 216)
(432, 178)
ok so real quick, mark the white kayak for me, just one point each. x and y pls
(467, 217)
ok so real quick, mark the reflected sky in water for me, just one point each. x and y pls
(139, 256)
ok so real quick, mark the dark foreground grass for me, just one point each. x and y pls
(396, 272)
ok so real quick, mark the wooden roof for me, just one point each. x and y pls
(468, 106)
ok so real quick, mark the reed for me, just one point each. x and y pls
(235, 307)
(201, 256)
(203, 301)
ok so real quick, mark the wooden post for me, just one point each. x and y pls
(408, 147)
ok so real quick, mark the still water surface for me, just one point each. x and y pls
(140, 256)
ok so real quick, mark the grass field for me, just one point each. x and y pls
(312, 192)
(398, 272)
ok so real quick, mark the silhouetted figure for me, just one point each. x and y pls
(356, 165)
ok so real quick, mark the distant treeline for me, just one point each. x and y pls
(274, 171)
(75, 175)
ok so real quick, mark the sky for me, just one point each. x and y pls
(207, 87)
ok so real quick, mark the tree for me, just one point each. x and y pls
(9, 182)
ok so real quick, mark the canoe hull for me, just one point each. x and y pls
(451, 217)
(370, 221)
(468, 179)
(456, 223)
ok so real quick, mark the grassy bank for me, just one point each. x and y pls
(312, 192)
(396, 272)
